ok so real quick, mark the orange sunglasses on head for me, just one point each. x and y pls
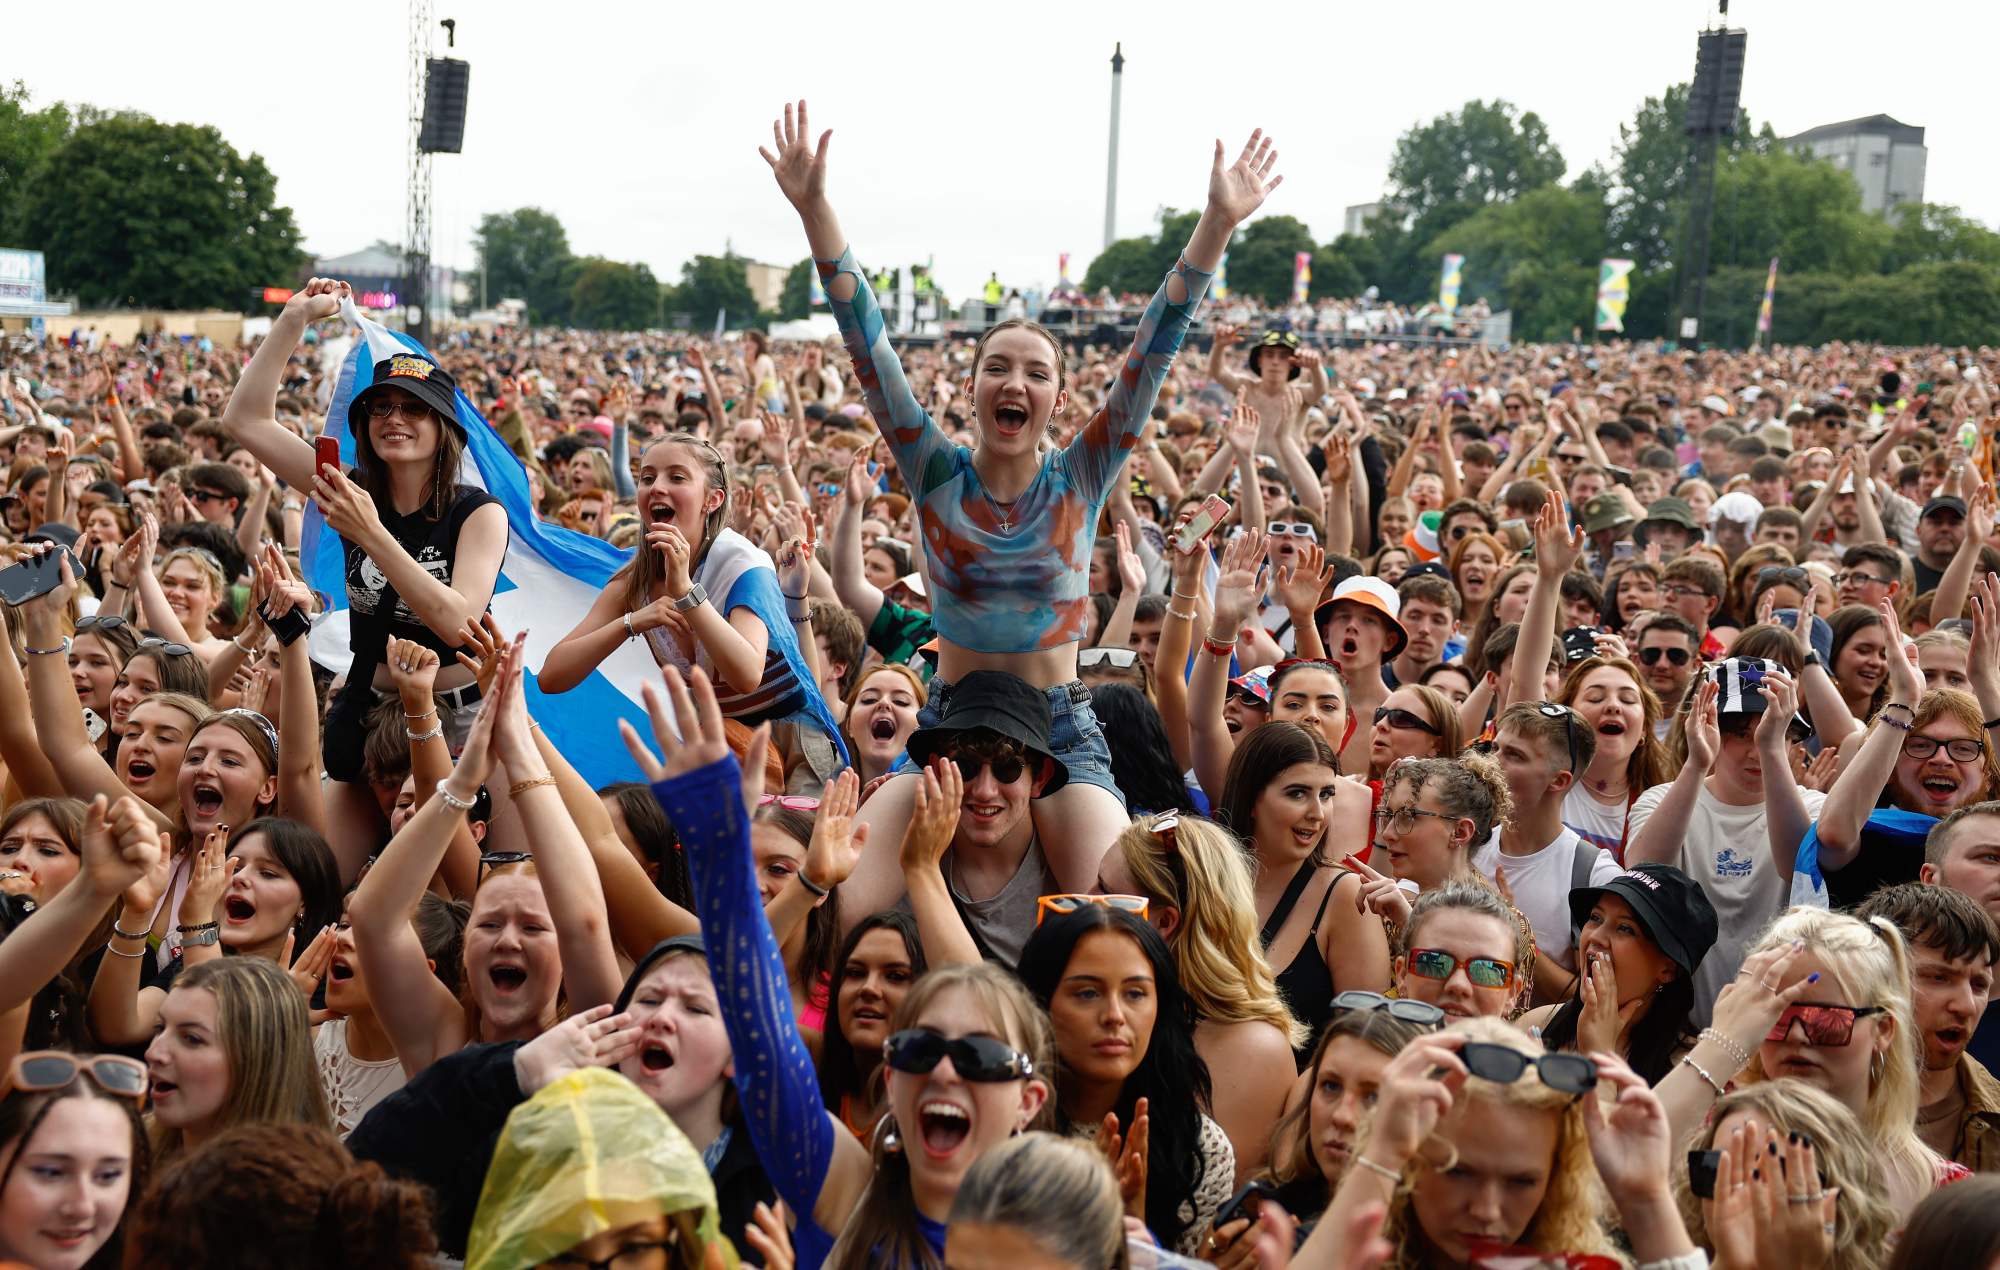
(1071, 903)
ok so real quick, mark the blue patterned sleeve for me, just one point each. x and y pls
(1102, 447)
(923, 452)
(775, 1080)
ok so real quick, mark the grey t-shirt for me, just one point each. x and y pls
(1003, 922)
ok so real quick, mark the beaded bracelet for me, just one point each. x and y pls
(431, 735)
(1727, 1044)
(1178, 615)
(1898, 724)
(62, 648)
(1699, 1070)
(453, 801)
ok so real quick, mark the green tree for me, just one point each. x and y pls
(1536, 255)
(132, 211)
(27, 138)
(1339, 268)
(796, 300)
(709, 283)
(1928, 231)
(1450, 167)
(1803, 210)
(1262, 255)
(525, 255)
(610, 295)
(1138, 264)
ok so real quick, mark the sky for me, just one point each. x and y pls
(972, 135)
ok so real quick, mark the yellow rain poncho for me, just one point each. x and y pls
(587, 1154)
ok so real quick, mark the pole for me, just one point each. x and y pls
(1701, 215)
(1111, 162)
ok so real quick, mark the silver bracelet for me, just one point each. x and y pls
(452, 800)
(431, 735)
(1728, 1044)
(1384, 1170)
(629, 632)
(1699, 1070)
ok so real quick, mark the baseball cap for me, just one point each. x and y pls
(1944, 503)
(1667, 902)
(1715, 404)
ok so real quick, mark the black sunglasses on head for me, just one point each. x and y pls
(980, 1059)
(1786, 575)
(501, 859)
(1422, 1013)
(1551, 710)
(154, 644)
(103, 622)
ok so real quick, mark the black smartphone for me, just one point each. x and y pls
(1244, 1203)
(1579, 642)
(1701, 1173)
(286, 627)
(22, 582)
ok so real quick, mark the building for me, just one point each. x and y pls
(1355, 220)
(767, 283)
(1886, 158)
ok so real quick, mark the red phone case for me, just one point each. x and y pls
(326, 453)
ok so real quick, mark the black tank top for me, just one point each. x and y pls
(1306, 984)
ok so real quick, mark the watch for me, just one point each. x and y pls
(695, 598)
(210, 935)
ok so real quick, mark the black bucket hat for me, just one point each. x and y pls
(658, 953)
(417, 375)
(1668, 903)
(997, 702)
(1275, 339)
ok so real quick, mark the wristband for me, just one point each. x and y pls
(122, 933)
(1897, 705)
(62, 648)
(1215, 648)
(1383, 1170)
(519, 788)
(813, 888)
(115, 952)
(247, 652)
(1991, 724)
(199, 926)
(1899, 725)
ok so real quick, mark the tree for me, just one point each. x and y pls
(709, 283)
(1261, 257)
(1450, 167)
(27, 139)
(1927, 232)
(796, 300)
(1536, 255)
(132, 211)
(1338, 271)
(609, 295)
(525, 255)
(1138, 265)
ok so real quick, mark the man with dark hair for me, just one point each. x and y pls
(1781, 527)
(1669, 652)
(1742, 452)
(1692, 587)
(1870, 572)
(840, 643)
(1460, 517)
(1429, 616)
(1940, 530)
(1770, 482)
(1148, 619)
(1953, 945)
(217, 491)
(1962, 851)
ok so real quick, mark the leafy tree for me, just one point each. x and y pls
(27, 138)
(133, 211)
(1803, 210)
(1261, 257)
(795, 301)
(1138, 264)
(612, 295)
(1455, 164)
(1928, 231)
(526, 256)
(709, 283)
(1536, 255)
(1339, 268)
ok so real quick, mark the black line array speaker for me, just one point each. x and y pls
(1718, 82)
(445, 81)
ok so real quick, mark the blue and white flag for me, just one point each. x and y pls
(549, 580)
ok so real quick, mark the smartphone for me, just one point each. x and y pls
(326, 453)
(1701, 1173)
(1203, 522)
(1579, 642)
(24, 581)
(1245, 1203)
(94, 725)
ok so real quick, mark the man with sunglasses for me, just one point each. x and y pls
(996, 728)
(1953, 946)
(1669, 652)
(217, 490)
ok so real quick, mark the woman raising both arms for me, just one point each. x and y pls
(1008, 528)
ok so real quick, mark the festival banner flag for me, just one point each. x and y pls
(1614, 291)
(549, 580)
(1218, 287)
(815, 293)
(1449, 283)
(1062, 270)
(1770, 289)
(1302, 276)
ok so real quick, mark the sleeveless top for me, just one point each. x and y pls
(433, 544)
(1306, 984)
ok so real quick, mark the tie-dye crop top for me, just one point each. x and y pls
(1027, 588)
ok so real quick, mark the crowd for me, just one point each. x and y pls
(1250, 806)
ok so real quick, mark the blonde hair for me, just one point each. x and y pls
(1863, 1217)
(204, 560)
(1057, 1191)
(1199, 869)
(882, 1229)
(1571, 1217)
(1868, 964)
(1950, 703)
(264, 1032)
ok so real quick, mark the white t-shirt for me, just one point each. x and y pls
(1726, 851)
(1595, 821)
(1541, 885)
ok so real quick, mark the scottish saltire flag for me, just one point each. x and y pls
(548, 582)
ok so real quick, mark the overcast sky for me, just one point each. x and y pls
(974, 134)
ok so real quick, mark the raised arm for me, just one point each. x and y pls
(413, 669)
(1177, 634)
(1236, 592)
(1299, 586)
(120, 843)
(1557, 548)
(1244, 424)
(1786, 819)
(1660, 838)
(1956, 584)
(862, 597)
(300, 794)
(934, 819)
(1218, 367)
(20, 748)
(1339, 451)
(1862, 781)
(251, 416)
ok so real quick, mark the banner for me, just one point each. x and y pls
(1764, 309)
(1062, 270)
(815, 293)
(1614, 291)
(1448, 284)
(1302, 276)
(1218, 286)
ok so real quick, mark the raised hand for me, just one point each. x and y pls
(412, 667)
(347, 507)
(1241, 188)
(1381, 894)
(1131, 569)
(1781, 706)
(1236, 589)
(1411, 1099)
(934, 819)
(1704, 730)
(1770, 1208)
(120, 847)
(1300, 585)
(1630, 1139)
(1603, 1017)
(800, 167)
(1750, 1004)
(1985, 655)
(693, 737)
(475, 761)
(1127, 1154)
(311, 965)
(594, 1038)
(1244, 423)
(320, 299)
(1557, 546)
(483, 634)
(836, 842)
(1906, 682)
(208, 877)
(1339, 453)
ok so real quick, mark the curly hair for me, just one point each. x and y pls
(1471, 786)
(290, 1195)
(1572, 1215)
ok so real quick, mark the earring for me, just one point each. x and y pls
(1877, 1064)
(892, 1141)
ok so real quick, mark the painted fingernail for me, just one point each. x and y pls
(1793, 1138)
(1813, 977)
(1772, 1148)
(1756, 1175)
(1805, 1140)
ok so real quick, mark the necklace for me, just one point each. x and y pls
(1004, 514)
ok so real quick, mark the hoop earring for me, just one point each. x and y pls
(1877, 1064)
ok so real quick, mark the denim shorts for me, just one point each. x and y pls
(1073, 732)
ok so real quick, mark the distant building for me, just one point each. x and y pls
(1886, 158)
(767, 283)
(1355, 220)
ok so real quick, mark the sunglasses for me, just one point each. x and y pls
(52, 1069)
(1677, 656)
(1291, 529)
(1006, 768)
(501, 859)
(1786, 575)
(206, 495)
(1551, 710)
(828, 490)
(1482, 972)
(790, 802)
(1960, 749)
(1422, 1013)
(154, 644)
(1057, 905)
(1827, 1026)
(980, 1059)
(1116, 658)
(383, 407)
(1503, 1065)
(108, 622)
(1405, 721)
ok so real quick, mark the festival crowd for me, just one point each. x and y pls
(1238, 804)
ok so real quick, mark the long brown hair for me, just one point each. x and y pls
(444, 474)
(648, 568)
(22, 1113)
(1650, 763)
